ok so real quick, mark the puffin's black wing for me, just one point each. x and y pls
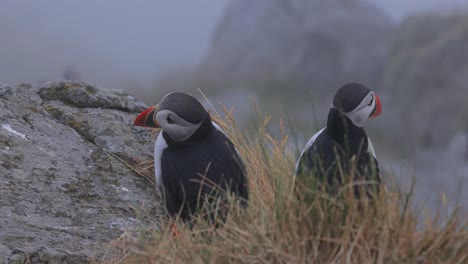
(233, 166)
(192, 173)
(368, 173)
(319, 160)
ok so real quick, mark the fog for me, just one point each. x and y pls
(106, 41)
(110, 42)
(400, 8)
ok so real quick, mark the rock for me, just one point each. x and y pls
(312, 45)
(426, 76)
(81, 94)
(5, 89)
(65, 190)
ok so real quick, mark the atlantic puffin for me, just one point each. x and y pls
(195, 162)
(342, 149)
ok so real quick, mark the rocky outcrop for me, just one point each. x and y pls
(426, 74)
(313, 45)
(65, 190)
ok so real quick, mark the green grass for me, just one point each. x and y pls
(279, 228)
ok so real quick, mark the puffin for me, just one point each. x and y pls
(342, 152)
(195, 163)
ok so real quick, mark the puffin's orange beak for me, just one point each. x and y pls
(146, 118)
(378, 108)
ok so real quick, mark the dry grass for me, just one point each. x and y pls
(279, 228)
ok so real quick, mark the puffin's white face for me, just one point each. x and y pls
(176, 127)
(363, 111)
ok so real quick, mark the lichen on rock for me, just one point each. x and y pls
(81, 94)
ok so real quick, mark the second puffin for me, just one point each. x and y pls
(195, 162)
(341, 152)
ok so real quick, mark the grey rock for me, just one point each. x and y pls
(81, 94)
(65, 187)
(4, 251)
(5, 89)
(315, 45)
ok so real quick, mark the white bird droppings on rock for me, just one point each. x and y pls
(119, 188)
(8, 128)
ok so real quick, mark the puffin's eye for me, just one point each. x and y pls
(169, 120)
(371, 101)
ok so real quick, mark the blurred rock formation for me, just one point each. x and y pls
(427, 76)
(310, 45)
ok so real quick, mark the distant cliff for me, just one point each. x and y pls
(309, 45)
(427, 76)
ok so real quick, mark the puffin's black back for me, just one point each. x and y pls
(336, 145)
(183, 166)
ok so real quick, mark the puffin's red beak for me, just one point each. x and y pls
(378, 107)
(146, 118)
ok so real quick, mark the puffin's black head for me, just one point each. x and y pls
(357, 102)
(178, 114)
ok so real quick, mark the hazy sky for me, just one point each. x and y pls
(104, 39)
(399, 8)
(110, 41)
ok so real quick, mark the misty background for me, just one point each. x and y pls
(413, 53)
(116, 42)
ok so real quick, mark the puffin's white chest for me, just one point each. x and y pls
(159, 147)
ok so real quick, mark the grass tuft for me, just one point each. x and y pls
(277, 227)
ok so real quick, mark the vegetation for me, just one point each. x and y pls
(280, 228)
